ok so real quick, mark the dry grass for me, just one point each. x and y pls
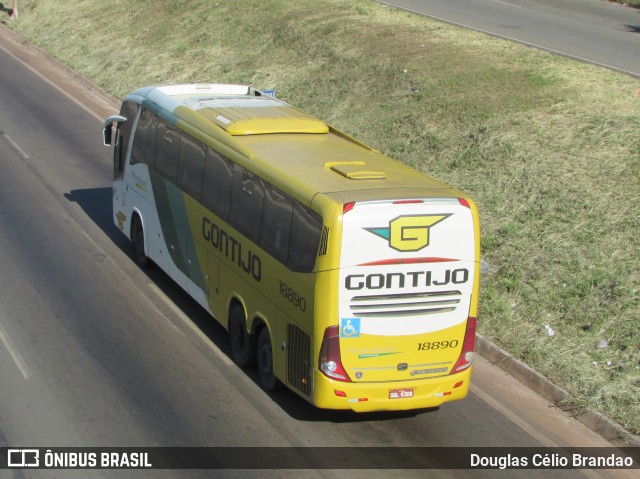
(548, 147)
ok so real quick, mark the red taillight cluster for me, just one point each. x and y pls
(330, 362)
(466, 355)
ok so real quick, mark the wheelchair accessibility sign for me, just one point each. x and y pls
(349, 327)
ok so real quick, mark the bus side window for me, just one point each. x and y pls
(247, 196)
(144, 139)
(167, 150)
(277, 215)
(305, 238)
(191, 168)
(129, 111)
(218, 178)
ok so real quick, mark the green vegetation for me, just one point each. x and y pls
(547, 146)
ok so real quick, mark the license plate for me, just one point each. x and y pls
(401, 393)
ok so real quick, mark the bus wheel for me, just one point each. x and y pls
(265, 361)
(137, 235)
(243, 343)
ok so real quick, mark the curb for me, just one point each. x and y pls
(597, 422)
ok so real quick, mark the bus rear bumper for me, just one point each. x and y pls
(390, 396)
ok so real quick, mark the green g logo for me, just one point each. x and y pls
(408, 233)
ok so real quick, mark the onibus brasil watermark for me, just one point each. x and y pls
(36, 458)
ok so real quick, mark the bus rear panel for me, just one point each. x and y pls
(405, 312)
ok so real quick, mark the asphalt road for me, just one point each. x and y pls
(95, 351)
(594, 31)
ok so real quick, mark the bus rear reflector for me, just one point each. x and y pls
(464, 202)
(466, 355)
(330, 362)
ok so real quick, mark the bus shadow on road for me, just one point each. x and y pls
(97, 205)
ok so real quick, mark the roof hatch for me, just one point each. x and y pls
(355, 170)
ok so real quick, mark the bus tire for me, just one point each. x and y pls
(243, 343)
(137, 236)
(265, 361)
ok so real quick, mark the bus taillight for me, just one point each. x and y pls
(330, 361)
(466, 355)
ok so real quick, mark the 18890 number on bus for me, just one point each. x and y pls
(434, 345)
(292, 296)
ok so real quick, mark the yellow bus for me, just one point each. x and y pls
(343, 275)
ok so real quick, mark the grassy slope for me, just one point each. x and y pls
(548, 147)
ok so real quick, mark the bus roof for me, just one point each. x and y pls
(292, 149)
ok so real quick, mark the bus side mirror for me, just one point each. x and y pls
(107, 133)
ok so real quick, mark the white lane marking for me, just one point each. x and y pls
(188, 322)
(14, 146)
(17, 357)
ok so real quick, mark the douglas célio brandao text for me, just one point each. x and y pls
(551, 460)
